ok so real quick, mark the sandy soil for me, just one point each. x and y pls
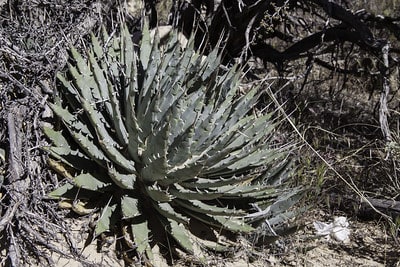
(369, 245)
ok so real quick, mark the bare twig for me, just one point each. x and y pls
(8, 216)
(383, 109)
(15, 159)
(14, 253)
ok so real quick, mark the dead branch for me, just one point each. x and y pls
(363, 209)
(383, 109)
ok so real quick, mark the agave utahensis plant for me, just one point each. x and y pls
(166, 138)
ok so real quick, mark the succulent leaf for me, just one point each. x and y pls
(88, 181)
(201, 207)
(107, 219)
(181, 235)
(232, 224)
(158, 194)
(168, 211)
(72, 158)
(141, 235)
(61, 191)
(195, 194)
(56, 137)
(124, 181)
(129, 207)
(146, 46)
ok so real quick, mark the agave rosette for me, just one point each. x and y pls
(164, 134)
